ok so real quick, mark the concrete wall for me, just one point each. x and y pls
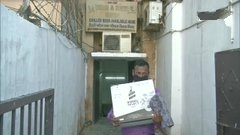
(35, 58)
(185, 63)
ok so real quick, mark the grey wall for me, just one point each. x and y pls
(185, 63)
(35, 58)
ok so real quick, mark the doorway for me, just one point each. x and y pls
(227, 67)
(106, 74)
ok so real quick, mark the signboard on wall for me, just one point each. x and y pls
(105, 15)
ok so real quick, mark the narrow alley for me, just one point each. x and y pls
(60, 58)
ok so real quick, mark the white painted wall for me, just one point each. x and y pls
(185, 63)
(35, 58)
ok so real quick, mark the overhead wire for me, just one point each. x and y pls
(234, 2)
(71, 26)
(170, 10)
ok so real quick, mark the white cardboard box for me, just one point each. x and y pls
(131, 97)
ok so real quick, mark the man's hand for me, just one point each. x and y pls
(115, 122)
(157, 118)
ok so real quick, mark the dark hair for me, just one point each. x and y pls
(141, 63)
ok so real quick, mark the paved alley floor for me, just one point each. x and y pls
(101, 127)
(104, 127)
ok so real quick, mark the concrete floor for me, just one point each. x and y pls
(101, 127)
(104, 127)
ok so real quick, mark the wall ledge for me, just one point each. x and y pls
(118, 55)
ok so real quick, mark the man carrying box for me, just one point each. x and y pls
(161, 117)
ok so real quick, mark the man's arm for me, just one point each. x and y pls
(159, 106)
(115, 122)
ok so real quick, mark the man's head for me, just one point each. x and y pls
(140, 71)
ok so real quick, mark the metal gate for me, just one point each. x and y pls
(227, 65)
(39, 108)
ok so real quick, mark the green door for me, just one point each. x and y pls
(111, 72)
